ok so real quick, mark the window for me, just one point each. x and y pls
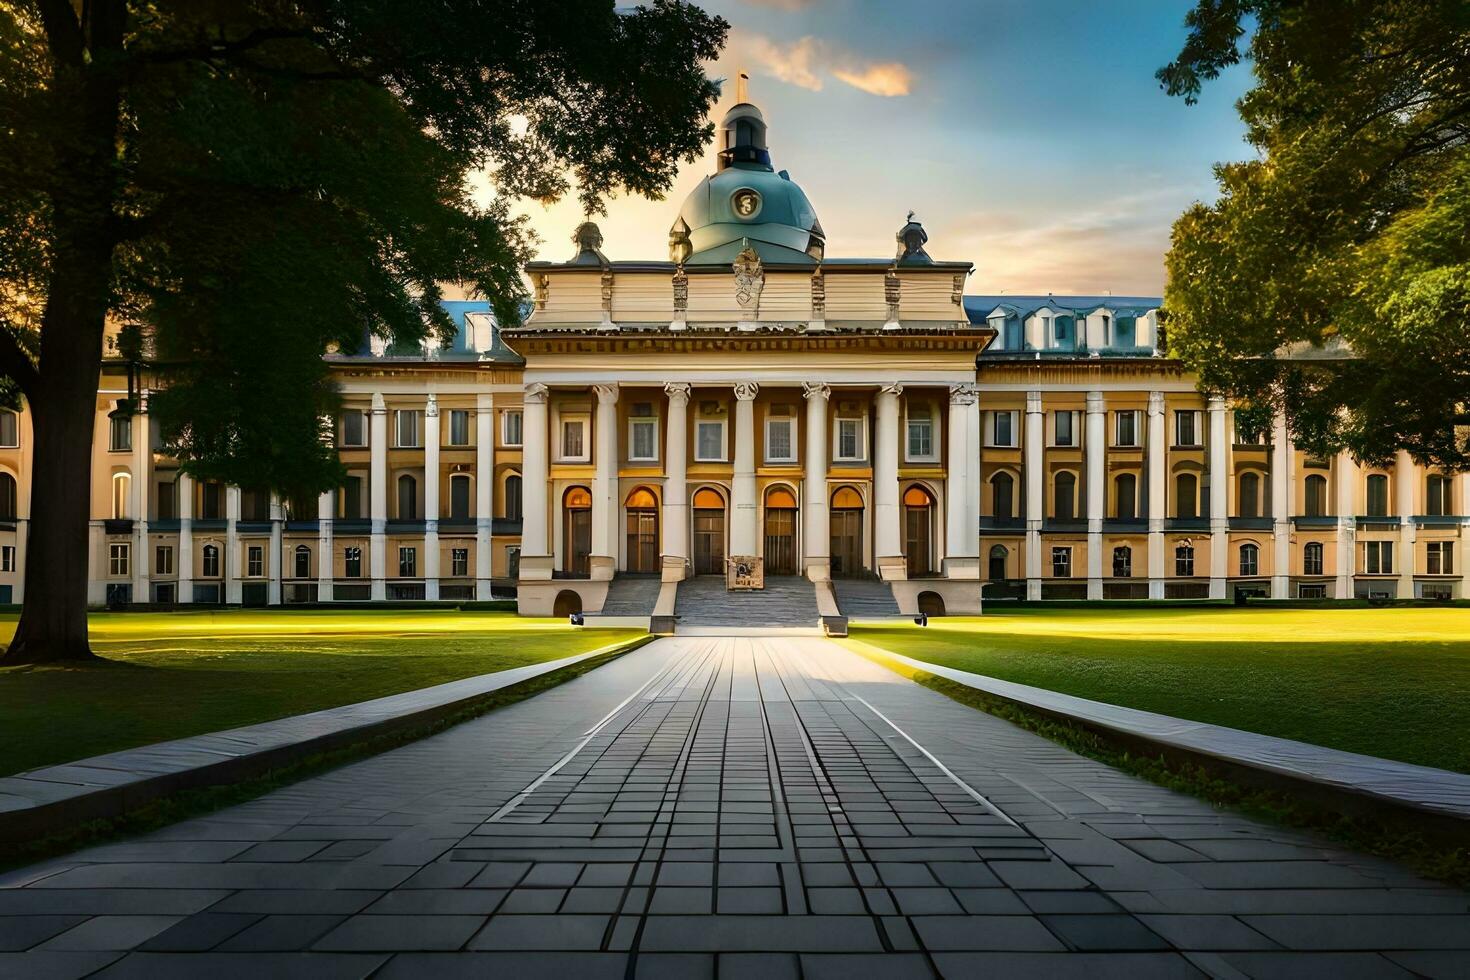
(1063, 333)
(1125, 428)
(408, 498)
(1249, 435)
(1125, 332)
(513, 497)
(408, 562)
(1003, 429)
(459, 497)
(163, 560)
(1125, 494)
(352, 499)
(643, 440)
(574, 439)
(120, 429)
(1441, 558)
(166, 505)
(709, 441)
(513, 562)
(1305, 591)
(511, 428)
(1316, 496)
(122, 487)
(1250, 560)
(353, 427)
(301, 562)
(1123, 562)
(459, 562)
(1061, 562)
(1377, 495)
(255, 505)
(117, 559)
(459, 427)
(1064, 429)
(849, 439)
(998, 555)
(1186, 495)
(1186, 428)
(780, 446)
(1378, 557)
(7, 558)
(255, 561)
(1248, 502)
(8, 498)
(1437, 496)
(9, 430)
(406, 428)
(1003, 496)
(1312, 558)
(209, 567)
(211, 501)
(920, 436)
(1184, 560)
(352, 562)
(1065, 497)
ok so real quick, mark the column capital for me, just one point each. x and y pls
(678, 391)
(379, 406)
(746, 391)
(431, 409)
(893, 388)
(1096, 404)
(816, 389)
(1156, 403)
(607, 393)
(536, 393)
(1216, 403)
(964, 394)
(1033, 403)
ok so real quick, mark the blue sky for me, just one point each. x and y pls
(1029, 135)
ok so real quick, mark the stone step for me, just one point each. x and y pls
(631, 595)
(864, 598)
(785, 601)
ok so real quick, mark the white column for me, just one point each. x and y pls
(816, 532)
(378, 497)
(1406, 482)
(1158, 499)
(535, 473)
(273, 560)
(431, 499)
(1282, 458)
(962, 484)
(1219, 500)
(142, 476)
(1462, 555)
(23, 505)
(743, 511)
(1035, 480)
(605, 480)
(231, 557)
(887, 539)
(184, 488)
(484, 494)
(1097, 492)
(325, 560)
(1346, 477)
(676, 473)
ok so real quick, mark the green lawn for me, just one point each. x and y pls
(168, 675)
(1388, 682)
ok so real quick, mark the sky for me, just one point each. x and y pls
(1029, 136)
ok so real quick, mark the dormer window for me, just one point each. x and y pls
(1061, 331)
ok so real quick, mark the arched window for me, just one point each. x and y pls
(707, 499)
(846, 498)
(1186, 495)
(577, 498)
(1250, 560)
(1437, 495)
(1316, 496)
(1125, 493)
(1248, 502)
(459, 497)
(122, 486)
(1122, 562)
(408, 498)
(8, 508)
(1184, 560)
(1065, 503)
(918, 518)
(998, 555)
(1377, 495)
(209, 568)
(513, 510)
(780, 498)
(303, 561)
(642, 499)
(1312, 558)
(1003, 496)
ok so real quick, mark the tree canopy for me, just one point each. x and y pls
(1331, 278)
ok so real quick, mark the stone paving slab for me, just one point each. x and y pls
(763, 807)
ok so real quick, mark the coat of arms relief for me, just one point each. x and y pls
(750, 279)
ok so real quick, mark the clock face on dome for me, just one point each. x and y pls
(746, 202)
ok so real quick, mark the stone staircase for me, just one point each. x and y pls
(631, 595)
(864, 598)
(786, 601)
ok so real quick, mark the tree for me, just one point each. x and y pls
(1331, 279)
(254, 180)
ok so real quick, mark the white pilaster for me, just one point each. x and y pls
(1158, 505)
(887, 536)
(484, 494)
(142, 476)
(605, 479)
(1406, 483)
(184, 489)
(1035, 480)
(534, 475)
(962, 484)
(1282, 459)
(676, 473)
(431, 498)
(1096, 450)
(743, 493)
(273, 560)
(232, 555)
(1219, 500)
(816, 528)
(378, 497)
(325, 560)
(1462, 554)
(1346, 477)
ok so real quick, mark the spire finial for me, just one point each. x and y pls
(741, 81)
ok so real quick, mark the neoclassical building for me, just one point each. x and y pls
(747, 416)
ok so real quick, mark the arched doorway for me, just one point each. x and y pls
(931, 603)
(709, 532)
(780, 550)
(847, 533)
(998, 556)
(566, 603)
(918, 524)
(642, 508)
(576, 542)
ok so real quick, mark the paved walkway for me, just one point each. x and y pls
(773, 807)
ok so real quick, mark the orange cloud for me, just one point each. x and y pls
(888, 79)
(807, 62)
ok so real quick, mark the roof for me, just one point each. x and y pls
(464, 314)
(980, 307)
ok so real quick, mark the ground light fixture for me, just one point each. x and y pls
(922, 619)
(575, 619)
